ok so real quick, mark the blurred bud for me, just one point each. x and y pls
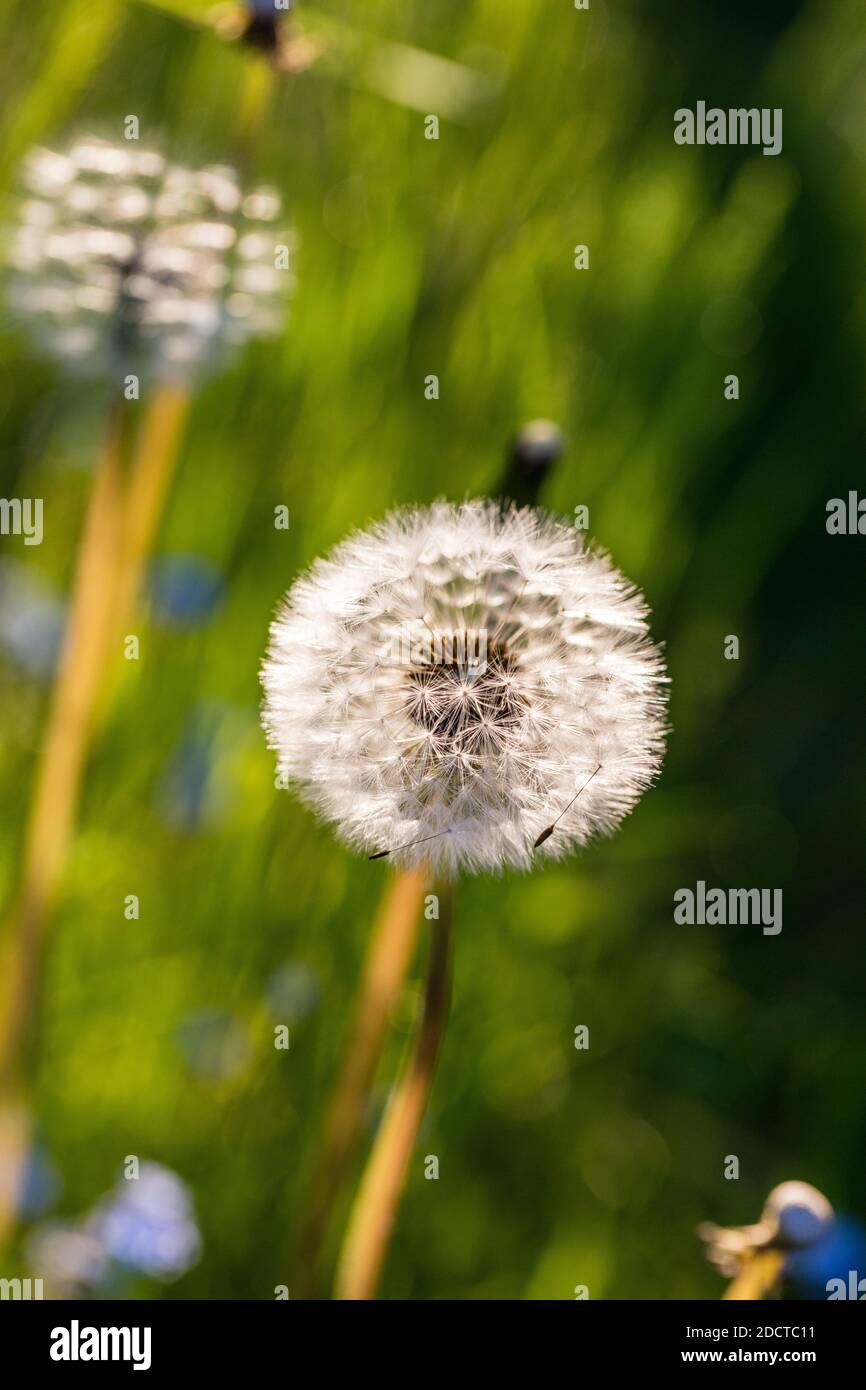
(531, 456)
(261, 20)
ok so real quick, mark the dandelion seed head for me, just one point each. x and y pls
(796, 1218)
(119, 258)
(799, 1213)
(381, 716)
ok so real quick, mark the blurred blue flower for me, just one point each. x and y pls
(199, 784)
(31, 620)
(34, 1189)
(184, 590)
(148, 1223)
(292, 992)
(145, 1225)
(183, 789)
(841, 1250)
(41, 1186)
(215, 1044)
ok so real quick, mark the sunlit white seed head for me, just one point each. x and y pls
(795, 1216)
(798, 1213)
(378, 710)
(119, 259)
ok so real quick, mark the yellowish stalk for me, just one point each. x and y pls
(55, 798)
(389, 953)
(122, 520)
(151, 474)
(256, 92)
(65, 743)
(15, 1125)
(375, 1209)
(759, 1277)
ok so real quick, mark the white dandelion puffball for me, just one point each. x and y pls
(449, 685)
(118, 256)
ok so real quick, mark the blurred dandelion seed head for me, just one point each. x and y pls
(798, 1212)
(120, 259)
(473, 760)
(796, 1216)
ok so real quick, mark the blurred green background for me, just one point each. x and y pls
(455, 257)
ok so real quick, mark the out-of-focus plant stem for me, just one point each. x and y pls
(389, 953)
(257, 91)
(153, 465)
(122, 520)
(55, 797)
(759, 1277)
(374, 1212)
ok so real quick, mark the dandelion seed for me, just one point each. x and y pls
(462, 767)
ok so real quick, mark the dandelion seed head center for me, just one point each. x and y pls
(455, 700)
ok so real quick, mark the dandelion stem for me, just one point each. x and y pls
(122, 519)
(56, 795)
(151, 473)
(256, 93)
(70, 718)
(375, 1208)
(759, 1277)
(389, 953)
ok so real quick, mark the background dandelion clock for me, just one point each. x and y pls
(466, 686)
(459, 688)
(141, 276)
(121, 258)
